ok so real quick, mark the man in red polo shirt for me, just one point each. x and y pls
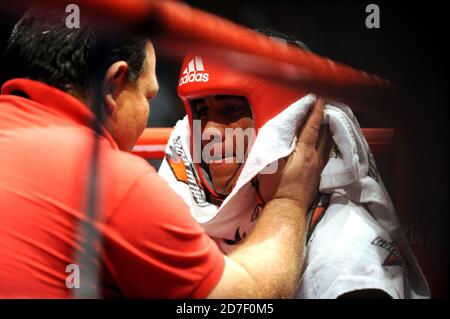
(149, 245)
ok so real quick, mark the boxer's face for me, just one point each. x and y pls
(128, 103)
(220, 112)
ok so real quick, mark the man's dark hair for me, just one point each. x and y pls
(42, 48)
(283, 36)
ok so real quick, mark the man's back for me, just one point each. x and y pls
(45, 156)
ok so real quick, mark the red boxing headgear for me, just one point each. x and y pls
(201, 77)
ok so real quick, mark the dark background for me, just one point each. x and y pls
(411, 50)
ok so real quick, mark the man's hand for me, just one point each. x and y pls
(298, 175)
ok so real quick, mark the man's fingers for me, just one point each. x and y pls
(310, 132)
(324, 145)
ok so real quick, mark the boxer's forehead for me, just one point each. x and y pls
(220, 100)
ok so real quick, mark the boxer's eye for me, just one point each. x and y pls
(201, 111)
(232, 111)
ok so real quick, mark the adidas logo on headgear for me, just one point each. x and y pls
(194, 72)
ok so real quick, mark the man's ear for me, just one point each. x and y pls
(116, 78)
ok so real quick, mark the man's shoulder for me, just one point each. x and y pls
(347, 221)
(346, 232)
(128, 164)
(347, 252)
(126, 167)
(122, 175)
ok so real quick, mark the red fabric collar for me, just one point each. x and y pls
(61, 102)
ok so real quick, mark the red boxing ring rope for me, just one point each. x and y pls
(177, 28)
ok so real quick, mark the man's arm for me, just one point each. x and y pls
(267, 264)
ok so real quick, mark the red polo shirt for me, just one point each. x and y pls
(151, 246)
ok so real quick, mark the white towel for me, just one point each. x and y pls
(352, 174)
